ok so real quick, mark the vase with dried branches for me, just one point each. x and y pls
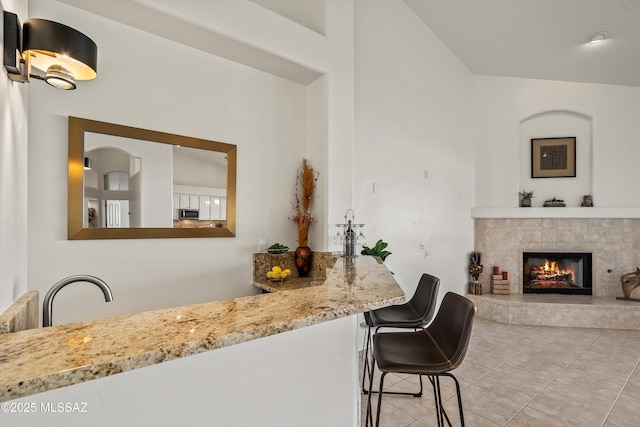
(305, 184)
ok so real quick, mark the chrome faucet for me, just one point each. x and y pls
(47, 309)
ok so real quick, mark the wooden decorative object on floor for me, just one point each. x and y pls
(499, 286)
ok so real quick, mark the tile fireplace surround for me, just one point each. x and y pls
(614, 243)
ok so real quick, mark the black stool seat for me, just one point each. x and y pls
(410, 352)
(415, 313)
(398, 316)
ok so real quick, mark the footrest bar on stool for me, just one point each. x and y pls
(368, 370)
(404, 393)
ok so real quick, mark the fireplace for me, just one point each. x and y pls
(557, 273)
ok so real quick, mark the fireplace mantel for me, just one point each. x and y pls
(621, 212)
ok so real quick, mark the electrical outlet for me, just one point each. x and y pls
(262, 244)
(421, 247)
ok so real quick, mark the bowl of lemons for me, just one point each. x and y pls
(277, 274)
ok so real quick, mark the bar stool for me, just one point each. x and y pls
(434, 351)
(414, 314)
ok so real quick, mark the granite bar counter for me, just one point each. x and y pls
(39, 360)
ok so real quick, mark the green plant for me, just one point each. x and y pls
(526, 195)
(277, 248)
(377, 250)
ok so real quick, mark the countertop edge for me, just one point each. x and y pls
(317, 304)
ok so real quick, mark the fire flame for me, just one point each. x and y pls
(551, 266)
(548, 273)
(551, 269)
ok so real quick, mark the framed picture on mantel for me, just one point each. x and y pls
(553, 157)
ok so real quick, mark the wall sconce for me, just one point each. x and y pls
(62, 54)
(88, 164)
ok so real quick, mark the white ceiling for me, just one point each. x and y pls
(218, 27)
(541, 39)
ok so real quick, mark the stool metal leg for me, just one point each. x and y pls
(369, 416)
(439, 407)
(455, 380)
(380, 398)
(435, 397)
(366, 370)
(441, 414)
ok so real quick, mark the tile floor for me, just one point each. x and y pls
(531, 376)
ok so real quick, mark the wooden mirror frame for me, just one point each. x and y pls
(76, 230)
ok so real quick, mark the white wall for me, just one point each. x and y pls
(502, 103)
(338, 87)
(412, 117)
(13, 178)
(555, 124)
(210, 98)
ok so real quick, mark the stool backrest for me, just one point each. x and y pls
(451, 329)
(425, 299)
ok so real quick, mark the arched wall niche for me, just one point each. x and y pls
(553, 124)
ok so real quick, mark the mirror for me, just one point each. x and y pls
(132, 183)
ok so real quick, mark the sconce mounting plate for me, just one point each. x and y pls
(12, 43)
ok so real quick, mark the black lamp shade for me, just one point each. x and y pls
(50, 43)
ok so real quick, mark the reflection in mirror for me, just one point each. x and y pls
(128, 182)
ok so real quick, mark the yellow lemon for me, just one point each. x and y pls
(270, 275)
(276, 269)
(283, 275)
(286, 270)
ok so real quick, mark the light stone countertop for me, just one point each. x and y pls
(288, 284)
(38, 360)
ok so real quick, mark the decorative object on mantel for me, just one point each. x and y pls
(500, 285)
(555, 203)
(525, 198)
(350, 237)
(630, 281)
(475, 269)
(587, 201)
(306, 180)
(553, 157)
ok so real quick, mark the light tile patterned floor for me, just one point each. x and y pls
(531, 376)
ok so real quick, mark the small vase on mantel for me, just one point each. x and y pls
(303, 258)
